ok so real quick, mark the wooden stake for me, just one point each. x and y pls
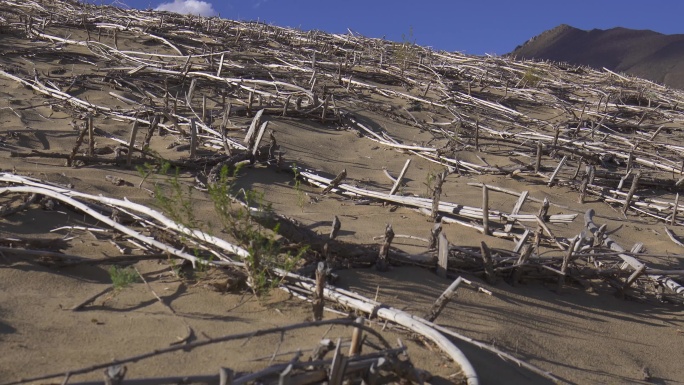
(256, 121)
(487, 260)
(357, 334)
(131, 143)
(204, 109)
(524, 255)
(443, 300)
(318, 302)
(566, 260)
(336, 224)
(583, 189)
(485, 209)
(338, 366)
(632, 190)
(443, 255)
(218, 73)
(193, 138)
(434, 235)
(381, 264)
(516, 209)
(395, 187)
(674, 210)
(477, 135)
(555, 173)
(555, 136)
(537, 164)
(250, 100)
(325, 108)
(91, 136)
(260, 135)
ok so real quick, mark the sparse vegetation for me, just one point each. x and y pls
(122, 277)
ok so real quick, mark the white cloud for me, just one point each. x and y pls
(192, 7)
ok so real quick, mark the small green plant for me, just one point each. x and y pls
(242, 221)
(406, 52)
(532, 77)
(122, 277)
(301, 197)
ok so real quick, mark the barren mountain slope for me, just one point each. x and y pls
(642, 53)
(319, 127)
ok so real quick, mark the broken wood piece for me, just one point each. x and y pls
(91, 137)
(74, 151)
(673, 219)
(131, 143)
(318, 302)
(485, 209)
(521, 242)
(516, 209)
(114, 375)
(488, 265)
(336, 224)
(443, 300)
(632, 278)
(397, 182)
(632, 190)
(537, 163)
(437, 194)
(566, 261)
(357, 334)
(260, 135)
(442, 255)
(338, 366)
(336, 181)
(434, 235)
(382, 262)
(193, 138)
(256, 122)
(555, 172)
(673, 237)
(525, 254)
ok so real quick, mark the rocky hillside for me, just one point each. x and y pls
(642, 53)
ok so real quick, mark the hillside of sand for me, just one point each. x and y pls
(294, 109)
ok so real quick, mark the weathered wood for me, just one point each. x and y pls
(336, 224)
(485, 210)
(490, 276)
(338, 365)
(437, 194)
(91, 137)
(673, 219)
(537, 163)
(442, 256)
(516, 209)
(318, 302)
(632, 190)
(555, 172)
(357, 334)
(131, 143)
(566, 260)
(397, 183)
(443, 300)
(335, 182)
(382, 262)
(434, 235)
(193, 138)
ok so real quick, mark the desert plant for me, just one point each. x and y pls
(239, 220)
(406, 51)
(122, 277)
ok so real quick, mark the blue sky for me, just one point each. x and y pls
(473, 27)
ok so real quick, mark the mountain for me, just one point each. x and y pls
(643, 53)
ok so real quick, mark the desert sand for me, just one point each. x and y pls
(365, 106)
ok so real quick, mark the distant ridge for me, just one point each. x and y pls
(644, 53)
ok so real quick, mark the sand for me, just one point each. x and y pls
(581, 336)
